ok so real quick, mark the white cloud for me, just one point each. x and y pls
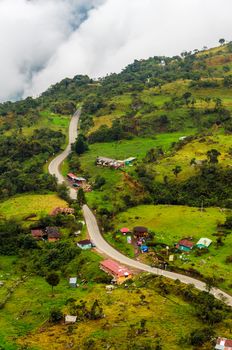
(43, 43)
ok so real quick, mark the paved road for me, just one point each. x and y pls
(54, 166)
(99, 241)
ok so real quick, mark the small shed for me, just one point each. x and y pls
(140, 231)
(185, 245)
(124, 230)
(223, 344)
(204, 243)
(85, 244)
(129, 161)
(70, 319)
(73, 282)
(144, 248)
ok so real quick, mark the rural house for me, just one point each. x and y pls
(85, 244)
(120, 273)
(223, 344)
(37, 234)
(204, 243)
(108, 162)
(185, 245)
(52, 233)
(140, 231)
(72, 177)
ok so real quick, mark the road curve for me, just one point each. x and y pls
(98, 240)
(54, 166)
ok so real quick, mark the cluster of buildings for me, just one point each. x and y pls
(50, 234)
(186, 245)
(140, 234)
(113, 163)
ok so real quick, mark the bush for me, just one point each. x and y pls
(56, 315)
(200, 336)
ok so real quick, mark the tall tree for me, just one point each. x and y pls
(221, 41)
(53, 279)
(177, 170)
(213, 155)
(81, 197)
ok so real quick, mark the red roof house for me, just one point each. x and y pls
(124, 230)
(185, 245)
(223, 344)
(119, 272)
(37, 234)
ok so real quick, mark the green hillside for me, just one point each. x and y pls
(173, 115)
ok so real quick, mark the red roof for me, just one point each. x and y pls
(124, 230)
(37, 233)
(186, 243)
(114, 268)
(226, 342)
(71, 175)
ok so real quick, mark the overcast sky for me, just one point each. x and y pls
(44, 41)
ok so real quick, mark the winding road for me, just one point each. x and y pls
(95, 234)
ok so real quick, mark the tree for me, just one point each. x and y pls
(221, 41)
(81, 197)
(53, 279)
(63, 192)
(56, 315)
(81, 145)
(177, 170)
(99, 182)
(213, 155)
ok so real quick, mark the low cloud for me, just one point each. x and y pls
(44, 41)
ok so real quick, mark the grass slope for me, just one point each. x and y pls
(172, 223)
(21, 206)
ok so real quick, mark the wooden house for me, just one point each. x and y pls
(37, 234)
(52, 233)
(119, 273)
(140, 231)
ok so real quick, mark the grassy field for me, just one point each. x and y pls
(23, 318)
(22, 206)
(118, 150)
(195, 149)
(172, 223)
